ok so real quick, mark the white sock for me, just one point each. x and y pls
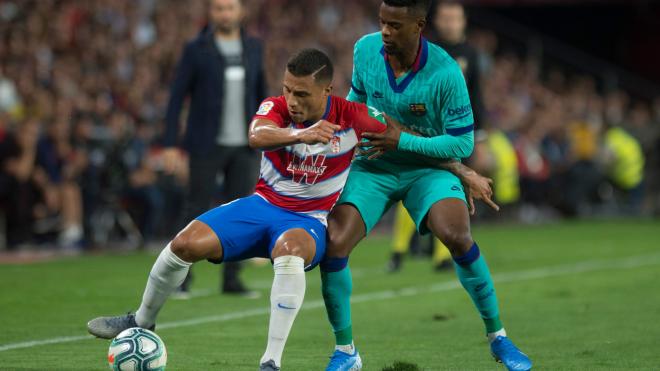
(493, 335)
(167, 274)
(348, 349)
(286, 297)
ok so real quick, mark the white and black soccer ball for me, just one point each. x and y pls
(137, 349)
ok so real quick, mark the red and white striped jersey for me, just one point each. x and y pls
(306, 178)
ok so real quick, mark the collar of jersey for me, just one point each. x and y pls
(420, 62)
(325, 114)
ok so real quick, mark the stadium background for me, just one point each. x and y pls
(92, 78)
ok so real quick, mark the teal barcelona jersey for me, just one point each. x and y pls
(431, 98)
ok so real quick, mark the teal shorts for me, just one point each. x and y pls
(373, 186)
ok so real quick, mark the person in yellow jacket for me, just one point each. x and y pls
(494, 155)
(624, 165)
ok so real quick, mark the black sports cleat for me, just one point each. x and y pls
(444, 266)
(110, 327)
(269, 366)
(394, 265)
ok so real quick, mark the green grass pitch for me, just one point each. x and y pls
(574, 296)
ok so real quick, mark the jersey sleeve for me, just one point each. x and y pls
(273, 109)
(357, 92)
(365, 119)
(456, 114)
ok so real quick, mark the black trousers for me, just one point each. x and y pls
(240, 168)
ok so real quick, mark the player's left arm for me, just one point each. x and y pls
(477, 186)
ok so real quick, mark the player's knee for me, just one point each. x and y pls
(338, 247)
(458, 242)
(183, 246)
(294, 248)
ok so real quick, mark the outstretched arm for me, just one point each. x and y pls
(395, 137)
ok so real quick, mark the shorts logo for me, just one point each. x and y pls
(418, 109)
(335, 144)
(265, 108)
(456, 188)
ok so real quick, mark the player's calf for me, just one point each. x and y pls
(293, 250)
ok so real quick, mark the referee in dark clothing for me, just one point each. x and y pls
(221, 70)
(449, 22)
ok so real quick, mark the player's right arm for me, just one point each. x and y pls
(269, 130)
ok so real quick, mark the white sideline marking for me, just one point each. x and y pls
(561, 270)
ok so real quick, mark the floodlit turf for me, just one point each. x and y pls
(578, 296)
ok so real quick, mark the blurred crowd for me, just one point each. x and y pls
(84, 89)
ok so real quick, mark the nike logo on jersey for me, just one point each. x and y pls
(377, 94)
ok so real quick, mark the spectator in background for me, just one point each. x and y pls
(138, 178)
(222, 71)
(59, 166)
(18, 192)
(495, 157)
(449, 22)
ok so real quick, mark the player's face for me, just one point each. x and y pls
(305, 97)
(399, 28)
(450, 22)
(226, 14)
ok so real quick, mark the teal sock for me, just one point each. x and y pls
(337, 288)
(475, 276)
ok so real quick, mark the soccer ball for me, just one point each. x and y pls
(137, 349)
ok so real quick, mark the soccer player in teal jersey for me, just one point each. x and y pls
(419, 84)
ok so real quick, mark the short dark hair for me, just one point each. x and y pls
(419, 7)
(311, 62)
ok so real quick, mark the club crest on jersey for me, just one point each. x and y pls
(307, 169)
(265, 107)
(418, 109)
(335, 144)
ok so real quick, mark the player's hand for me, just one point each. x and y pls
(321, 132)
(478, 187)
(382, 142)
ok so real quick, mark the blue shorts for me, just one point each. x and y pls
(250, 226)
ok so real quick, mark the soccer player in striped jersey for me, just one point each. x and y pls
(419, 84)
(308, 138)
